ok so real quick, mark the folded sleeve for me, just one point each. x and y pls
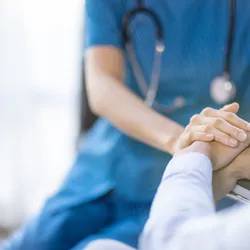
(103, 23)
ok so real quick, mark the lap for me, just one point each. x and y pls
(62, 229)
(71, 216)
(107, 217)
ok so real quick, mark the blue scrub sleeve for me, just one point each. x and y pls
(103, 23)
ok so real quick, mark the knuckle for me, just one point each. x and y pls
(189, 136)
(188, 127)
(230, 116)
(227, 140)
(206, 111)
(207, 128)
(194, 118)
(217, 121)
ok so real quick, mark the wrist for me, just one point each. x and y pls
(203, 148)
(159, 137)
(171, 144)
(199, 147)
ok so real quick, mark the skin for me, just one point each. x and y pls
(109, 97)
(225, 179)
(229, 164)
(105, 72)
(209, 125)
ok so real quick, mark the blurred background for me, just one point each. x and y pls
(41, 90)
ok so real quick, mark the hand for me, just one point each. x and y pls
(237, 165)
(230, 164)
(222, 125)
(219, 154)
(225, 179)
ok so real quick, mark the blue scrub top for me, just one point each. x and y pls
(195, 39)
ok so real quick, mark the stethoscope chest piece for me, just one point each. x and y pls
(222, 90)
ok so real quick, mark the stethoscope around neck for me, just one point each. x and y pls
(222, 89)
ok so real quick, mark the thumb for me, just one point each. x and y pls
(233, 107)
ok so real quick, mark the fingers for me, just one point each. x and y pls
(234, 120)
(188, 138)
(219, 136)
(233, 107)
(222, 126)
(230, 117)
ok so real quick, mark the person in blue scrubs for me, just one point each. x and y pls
(109, 190)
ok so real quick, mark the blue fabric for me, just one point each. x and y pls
(195, 40)
(57, 228)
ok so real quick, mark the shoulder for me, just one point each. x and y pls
(102, 6)
(103, 22)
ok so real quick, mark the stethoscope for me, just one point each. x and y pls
(222, 89)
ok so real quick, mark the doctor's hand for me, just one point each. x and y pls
(225, 179)
(219, 154)
(223, 126)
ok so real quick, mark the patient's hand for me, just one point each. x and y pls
(219, 154)
(222, 155)
(230, 164)
(225, 179)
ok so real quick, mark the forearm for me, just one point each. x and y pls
(130, 114)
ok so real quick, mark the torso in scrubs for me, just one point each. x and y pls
(195, 39)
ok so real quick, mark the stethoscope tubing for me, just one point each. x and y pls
(150, 91)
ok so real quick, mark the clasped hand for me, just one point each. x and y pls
(224, 138)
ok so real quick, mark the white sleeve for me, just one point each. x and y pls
(183, 216)
(184, 193)
(229, 230)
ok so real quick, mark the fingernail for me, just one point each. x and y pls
(210, 136)
(233, 142)
(242, 136)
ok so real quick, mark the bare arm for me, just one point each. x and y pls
(110, 98)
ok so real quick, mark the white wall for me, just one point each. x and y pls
(40, 56)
